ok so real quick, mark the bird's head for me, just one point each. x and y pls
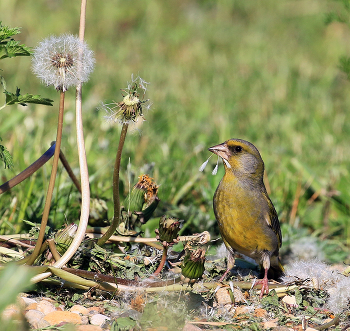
(241, 156)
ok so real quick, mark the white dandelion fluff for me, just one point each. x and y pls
(131, 108)
(215, 170)
(202, 167)
(56, 61)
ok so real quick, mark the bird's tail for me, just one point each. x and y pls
(276, 270)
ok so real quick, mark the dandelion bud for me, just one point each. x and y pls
(193, 264)
(63, 61)
(168, 229)
(64, 237)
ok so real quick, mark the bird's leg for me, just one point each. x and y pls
(230, 265)
(264, 282)
(264, 285)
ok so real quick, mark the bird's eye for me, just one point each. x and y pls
(238, 149)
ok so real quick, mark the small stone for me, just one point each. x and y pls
(310, 329)
(290, 300)
(48, 299)
(191, 327)
(88, 328)
(99, 310)
(222, 296)
(79, 309)
(56, 317)
(98, 319)
(241, 310)
(32, 306)
(45, 307)
(270, 324)
(84, 320)
(282, 328)
(33, 317)
(9, 313)
(24, 301)
(43, 324)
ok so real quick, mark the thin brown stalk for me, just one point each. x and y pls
(27, 172)
(162, 261)
(53, 249)
(116, 198)
(31, 258)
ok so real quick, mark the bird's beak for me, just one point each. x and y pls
(221, 150)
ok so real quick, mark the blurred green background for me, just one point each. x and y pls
(266, 72)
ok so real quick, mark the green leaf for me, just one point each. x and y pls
(6, 157)
(124, 324)
(298, 297)
(10, 47)
(6, 32)
(13, 280)
(17, 98)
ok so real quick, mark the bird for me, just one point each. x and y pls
(247, 219)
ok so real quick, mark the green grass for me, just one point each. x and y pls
(266, 72)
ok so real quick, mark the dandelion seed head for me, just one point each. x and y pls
(130, 110)
(57, 61)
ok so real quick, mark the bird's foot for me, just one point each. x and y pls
(264, 286)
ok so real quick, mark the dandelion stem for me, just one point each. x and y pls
(162, 261)
(84, 174)
(31, 258)
(28, 171)
(116, 198)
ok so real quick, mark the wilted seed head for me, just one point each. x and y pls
(142, 194)
(193, 264)
(56, 61)
(149, 186)
(131, 108)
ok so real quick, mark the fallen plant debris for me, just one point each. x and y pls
(121, 284)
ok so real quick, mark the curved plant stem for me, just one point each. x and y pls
(84, 174)
(162, 261)
(116, 199)
(28, 171)
(31, 258)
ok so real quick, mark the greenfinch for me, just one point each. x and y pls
(247, 219)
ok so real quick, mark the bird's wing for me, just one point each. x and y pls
(271, 219)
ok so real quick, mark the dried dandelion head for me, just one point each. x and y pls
(57, 61)
(131, 108)
(150, 188)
